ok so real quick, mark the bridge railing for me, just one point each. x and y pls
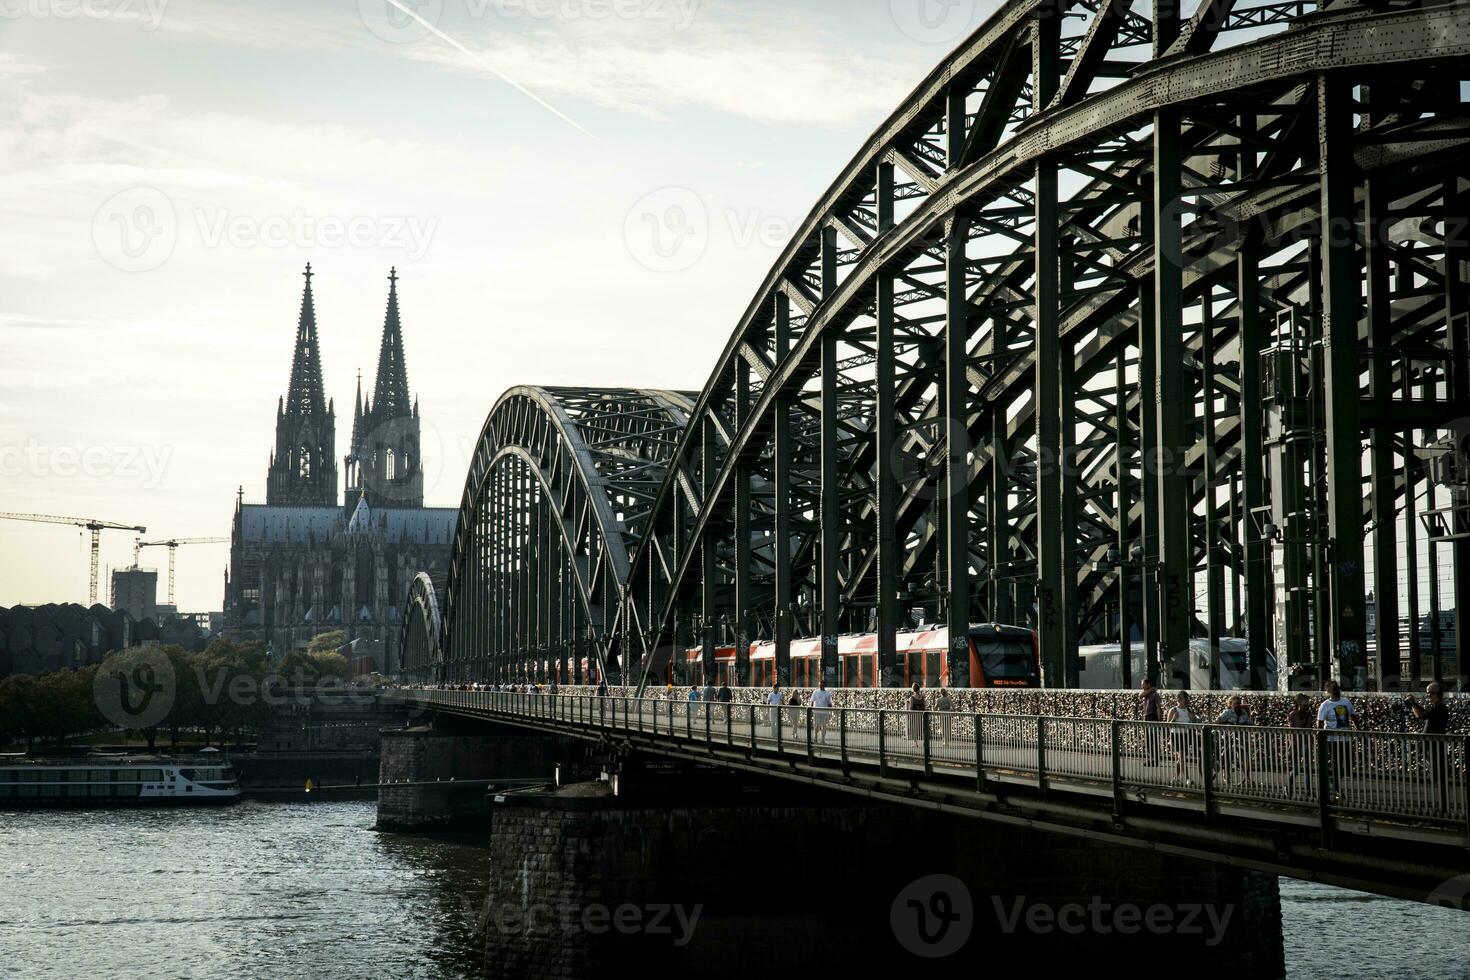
(1386, 776)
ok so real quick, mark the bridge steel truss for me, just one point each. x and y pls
(1127, 319)
(559, 492)
(422, 646)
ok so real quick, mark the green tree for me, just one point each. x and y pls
(309, 666)
(327, 642)
(18, 708)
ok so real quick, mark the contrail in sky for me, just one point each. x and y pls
(492, 69)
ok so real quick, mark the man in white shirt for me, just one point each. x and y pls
(1336, 714)
(821, 709)
(774, 700)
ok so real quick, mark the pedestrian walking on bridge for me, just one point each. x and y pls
(917, 707)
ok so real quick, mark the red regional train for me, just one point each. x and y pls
(1000, 656)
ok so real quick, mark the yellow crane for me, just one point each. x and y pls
(93, 524)
(173, 547)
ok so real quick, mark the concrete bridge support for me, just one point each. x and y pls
(447, 769)
(721, 875)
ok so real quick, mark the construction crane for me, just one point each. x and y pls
(93, 524)
(173, 547)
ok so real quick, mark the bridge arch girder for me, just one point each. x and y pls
(422, 637)
(557, 490)
(987, 262)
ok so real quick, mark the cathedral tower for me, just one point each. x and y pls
(303, 468)
(384, 465)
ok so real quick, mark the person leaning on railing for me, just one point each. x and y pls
(1337, 714)
(1436, 718)
(1299, 751)
(1234, 750)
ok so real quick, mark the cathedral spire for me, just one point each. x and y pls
(303, 468)
(390, 393)
(385, 440)
(305, 397)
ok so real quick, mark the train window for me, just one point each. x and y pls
(931, 668)
(1005, 659)
(913, 668)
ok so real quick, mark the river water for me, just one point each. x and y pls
(267, 890)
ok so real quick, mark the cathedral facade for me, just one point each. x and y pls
(306, 562)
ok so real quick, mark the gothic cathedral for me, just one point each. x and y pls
(304, 563)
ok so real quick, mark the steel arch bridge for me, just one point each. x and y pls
(1130, 320)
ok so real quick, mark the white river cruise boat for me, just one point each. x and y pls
(99, 780)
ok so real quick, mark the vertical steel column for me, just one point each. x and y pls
(518, 593)
(831, 490)
(998, 493)
(1457, 329)
(886, 487)
(494, 583)
(1124, 505)
(1252, 332)
(1411, 545)
(1175, 402)
(1214, 574)
(957, 444)
(709, 551)
(783, 449)
(742, 536)
(1385, 483)
(1051, 564)
(1148, 447)
(1340, 295)
(1051, 558)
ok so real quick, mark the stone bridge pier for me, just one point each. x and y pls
(711, 873)
(437, 772)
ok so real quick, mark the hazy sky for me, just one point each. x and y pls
(168, 166)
